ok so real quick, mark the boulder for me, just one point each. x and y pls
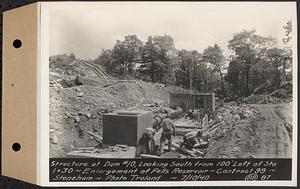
(76, 119)
(80, 94)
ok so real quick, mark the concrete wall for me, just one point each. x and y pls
(125, 128)
(195, 100)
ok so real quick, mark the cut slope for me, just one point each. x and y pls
(81, 92)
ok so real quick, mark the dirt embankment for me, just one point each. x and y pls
(79, 96)
(275, 131)
(236, 136)
(267, 135)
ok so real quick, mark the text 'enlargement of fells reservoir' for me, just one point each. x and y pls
(114, 170)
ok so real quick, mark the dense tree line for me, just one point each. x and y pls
(255, 62)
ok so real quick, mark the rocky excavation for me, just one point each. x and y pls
(81, 93)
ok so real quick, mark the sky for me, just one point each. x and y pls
(87, 28)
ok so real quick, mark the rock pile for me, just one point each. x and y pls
(266, 99)
(234, 112)
(233, 132)
(282, 95)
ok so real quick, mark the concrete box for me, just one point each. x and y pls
(126, 127)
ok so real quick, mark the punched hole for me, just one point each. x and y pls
(12, 85)
(16, 147)
(17, 43)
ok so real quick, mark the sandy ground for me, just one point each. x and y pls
(274, 131)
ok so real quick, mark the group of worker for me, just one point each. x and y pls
(193, 139)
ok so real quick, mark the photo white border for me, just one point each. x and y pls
(43, 104)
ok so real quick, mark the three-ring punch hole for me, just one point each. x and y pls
(16, 147)
(17, 43)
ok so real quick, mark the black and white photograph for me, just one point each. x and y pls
(178, 80)
(150, 93)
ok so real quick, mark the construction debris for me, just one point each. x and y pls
(85, 93)
(96, 137)
(149, 156)
(282, 95)
(263, 99)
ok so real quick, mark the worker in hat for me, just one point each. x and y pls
(168, 130)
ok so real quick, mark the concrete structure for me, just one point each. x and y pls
(126, 127)
(193, 100)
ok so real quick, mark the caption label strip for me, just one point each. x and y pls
(93, 170)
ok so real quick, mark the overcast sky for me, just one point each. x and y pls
(193, 26)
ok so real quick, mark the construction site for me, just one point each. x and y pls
(93, 114)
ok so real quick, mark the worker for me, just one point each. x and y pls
(195, 139)
(191, 138)
(168, 130)
(149, 140)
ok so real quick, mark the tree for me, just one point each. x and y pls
(149, 65)
(276, 59)
(214, 55)
(188, 69)
(72, 56)
(288, 33)
(249, 49)
(184, 69)
(126, 54)
(287, 40)
(234, 78)
(105, 59)
(158, 56)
